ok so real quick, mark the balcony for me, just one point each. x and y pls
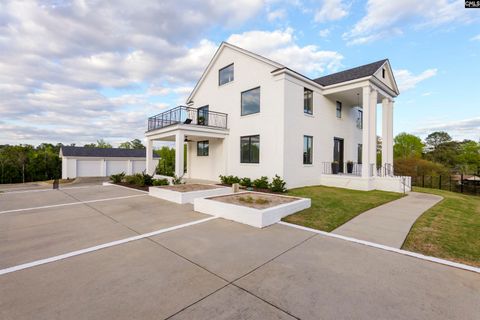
(188, 116)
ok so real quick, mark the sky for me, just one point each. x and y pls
(82, 70)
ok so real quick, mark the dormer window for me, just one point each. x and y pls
(225, 75)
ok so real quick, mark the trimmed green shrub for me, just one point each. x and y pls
(117, 178)
(246, 182)
(261, 183)
(278, 185)
(160, 182)
(147, 179)
(177, 180)
(229, 179)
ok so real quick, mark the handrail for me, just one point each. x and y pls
(188, 116)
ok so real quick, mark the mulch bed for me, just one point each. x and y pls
(267, 200)
(253, 188)
(190, 187)
(133, 186)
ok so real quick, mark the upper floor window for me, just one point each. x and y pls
(250, 101)
(307, 101)
(360, 119)
(359, 153)
(339, 109)
(202, 148)
(225, 75)
(250, 149)
(383, 73)
(307, 149)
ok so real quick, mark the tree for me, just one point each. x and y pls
(469, 156)
(434, 139)
(407, 146)
(134, 144)
(125, 145)
(166, 163)
(102, 144)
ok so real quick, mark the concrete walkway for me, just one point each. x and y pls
(390, 223)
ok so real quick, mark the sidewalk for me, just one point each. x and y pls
(390, 223)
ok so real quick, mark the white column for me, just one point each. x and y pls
(373, 130)
(179, 142)
(130, 167)
(149, 166)
(103, 168)
(366, 132)
(390, 134)
(385, 129)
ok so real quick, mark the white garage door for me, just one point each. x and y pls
(89, 168)
(138, 166)
(116, 166)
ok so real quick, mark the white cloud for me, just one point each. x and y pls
(475, 38)
(280, 46)
(407, 80)
(324, 33)
(388, 18)
(331, 10)
(458, 129)
(278, 14)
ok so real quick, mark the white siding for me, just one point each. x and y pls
(140, 165)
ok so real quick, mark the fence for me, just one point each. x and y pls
(468, 184)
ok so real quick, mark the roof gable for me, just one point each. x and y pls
(70, 151)
(366, 70)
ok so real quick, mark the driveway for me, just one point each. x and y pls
(195, 268)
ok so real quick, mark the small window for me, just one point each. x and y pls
(307, 101)
(250, 149)
(225, 75)
(360, 119)
(359, 153)
(251, 101)
(339, 109)
(383, 73)
(202, 148)
(307, 149)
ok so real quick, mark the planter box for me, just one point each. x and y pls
(186, 197)
(254, 217)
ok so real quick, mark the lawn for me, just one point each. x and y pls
(449, 230)
(332, 207)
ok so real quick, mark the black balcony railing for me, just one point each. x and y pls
(187, 115)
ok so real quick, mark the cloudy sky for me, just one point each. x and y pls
(77, 71)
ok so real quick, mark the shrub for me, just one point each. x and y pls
(246, 182)
(160, 182)
(277, 185)
(229, 179)
(147, 179)
(117, 178)
(261, 183)
(131, 179)
(177, 180)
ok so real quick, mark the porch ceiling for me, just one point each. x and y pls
(191, 132)
(351, 97)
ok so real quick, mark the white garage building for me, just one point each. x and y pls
(102, 162)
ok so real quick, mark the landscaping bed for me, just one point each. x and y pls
(190, 187)
(254, 200)
(187, 193)
(133, 186)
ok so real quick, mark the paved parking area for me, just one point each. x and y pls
(215, 269)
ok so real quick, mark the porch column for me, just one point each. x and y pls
(149, 166)
(387, 132)
(373, 130)
(366, 132)
(179, 142)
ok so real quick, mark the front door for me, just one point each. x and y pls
(338, 152)
(202, 116)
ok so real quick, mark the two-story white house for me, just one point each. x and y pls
(249, 116)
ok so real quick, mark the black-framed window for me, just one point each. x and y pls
(360, 119)
(202, 148)
(359, 153)
(307, 101)
(225, 75)
(250, 149)
(383, 73)
(307, 149)
(250, 101)
(339, 109)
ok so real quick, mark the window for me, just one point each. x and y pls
(383, 73)
(225, 75)
(202, 148)
(360, 119)
(251, 101)
(339, 109)
(307, 101)
(359, 153)
(307, 149)
(250, 149)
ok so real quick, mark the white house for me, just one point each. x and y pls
(250, 116)
(102, 162)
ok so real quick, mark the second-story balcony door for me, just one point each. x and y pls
(202, 116)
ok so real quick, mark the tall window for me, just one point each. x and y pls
(339, 109)
(359, 153)
(202, 148)
(307, 149)
(225, 75)
(307, 101)
(360, 119)
(383, 73)
(250, 149)
(251, 101)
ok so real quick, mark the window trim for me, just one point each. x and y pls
(220, 70)
(305, 111)
(204, 142)
(259, 100)
(250, 149)
(338, 109)
(310, 162)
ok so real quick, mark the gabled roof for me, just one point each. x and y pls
(68, 151)
(366, 70)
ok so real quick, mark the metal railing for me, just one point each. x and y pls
(187, 115)
(349, 168)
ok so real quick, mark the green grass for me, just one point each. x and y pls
(449, 230)
(332, 207)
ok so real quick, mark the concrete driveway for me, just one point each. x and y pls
(214, 269)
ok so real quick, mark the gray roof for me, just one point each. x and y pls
(351, 74)
(69, 151)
